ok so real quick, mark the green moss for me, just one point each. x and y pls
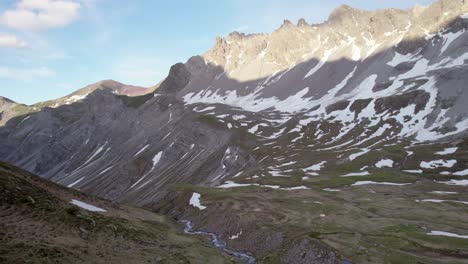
(23, 110)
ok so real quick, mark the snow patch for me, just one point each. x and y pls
(355, 155)
(354, 174)
(209, 108)
(195, 201)
(141, 150)
(414, 171)
(331, 190)
(443, 192)
(449, 38)
(360, 183)
(156, 160)
(442, 233)
(75, 182)
(236, 236)
(231, 184)
(438, 164)
(385, 163)
(447, 151)
(455, 182)
(86, 206)
(442, 201)
(316, 167)
(461, 173)
(319, 65)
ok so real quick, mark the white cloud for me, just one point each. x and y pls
(35, 15)
(25, 74)
(11, 41)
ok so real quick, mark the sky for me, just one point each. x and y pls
(50, 48)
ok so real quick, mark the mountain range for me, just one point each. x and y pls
(338, 142)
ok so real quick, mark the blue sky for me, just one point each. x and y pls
(49, 48)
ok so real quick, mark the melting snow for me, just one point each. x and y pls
(195, 201)
(75, 183)
(86, 206)
(254, 129)
(106, 170)
(316, 167)
(356, 53)
(399, 58)
(156, 160)
(442, 233)
(319, 65)
(414, 171)
(355, 155)
(99, 150)
(141, 150)
(449, 38)
(75, 98)
(209, 108)
(364, 173)
(447, 151)
(296, 188)
(442, 201)
(455, 182)
(231, 184)
(331, 190)
(236, 236)
(461, 173)
(26, 118)
(359, 183)
(438, 164)
(238, 117)
(287, 164)
(252, 101)
(443, 192)
(388, 163)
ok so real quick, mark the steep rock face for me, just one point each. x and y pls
(351, 83)
(177, 79)
(109, 148)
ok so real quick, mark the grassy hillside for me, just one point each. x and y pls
(38, 224)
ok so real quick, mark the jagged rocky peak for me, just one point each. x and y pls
(347, 31)
(342, 11)
(177, 79)
(287, 24)
(302, 23)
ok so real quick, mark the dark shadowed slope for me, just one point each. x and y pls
(38, 224)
